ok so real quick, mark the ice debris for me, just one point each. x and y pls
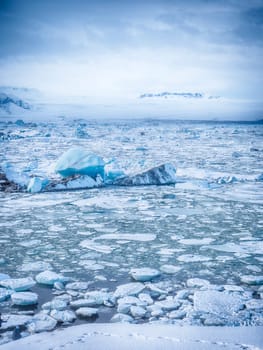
(24, 298)
(63, 316)
(77, 161)
(4, 294)
(121, 318)
(74, 183)
(144, 274)
(164, 174)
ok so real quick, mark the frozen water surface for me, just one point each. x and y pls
(201, 227)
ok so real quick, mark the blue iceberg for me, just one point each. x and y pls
(77, 161)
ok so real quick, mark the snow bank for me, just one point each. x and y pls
(143, 337)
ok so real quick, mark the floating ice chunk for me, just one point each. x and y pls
(49, 278)
(218, 303)
(18, 284)
(128, 289)
(24, 298)
(145, 298)
(197, 282)
(121, 318)
(260, 177)
(249, 279)
(168, 304)
(137, 311)
(193, 258)
(161, 175)
(177, 314)
(144, 274)
(36, 184)
(77, 161)
(86, 312)
(63, 316)
(12, 321)
(4, 294)
(78, 285)
(35, 266)
(4, 276)
(195, 241)
(106, 249)
(170, 269)
(141, 237)
(41, 323)
(82, 303)
(56, 304)
(97, 297)
(255, 304)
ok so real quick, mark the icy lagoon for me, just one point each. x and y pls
(202, 235)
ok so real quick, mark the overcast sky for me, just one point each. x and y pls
(118, 49)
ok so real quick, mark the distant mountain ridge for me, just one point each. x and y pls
(178, 94)
(8, 101)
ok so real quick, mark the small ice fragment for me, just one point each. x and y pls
(86, 312)
(49, 278)
(249, 279)
(170, 269)
(24, 298)
(97, 297)
(137, 311)
(41, 323)
(128, 289)
(35, 266)
(78, 285)
(197, 282)
(63, 316)
(144, 274)
(121, 318)
(56, 304)
(18, 284)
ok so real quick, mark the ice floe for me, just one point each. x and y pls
(49, 278)
(128, 289)
(41, 323)
(18, 284)
(4, 294)
(24, 298)
(63, 316)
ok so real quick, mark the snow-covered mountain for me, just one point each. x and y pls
(9, 103)
(166, 94)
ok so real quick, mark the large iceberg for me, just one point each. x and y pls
(164, 174)
(77, 161)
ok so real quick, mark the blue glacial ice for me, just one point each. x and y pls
(36, 184)
(77, 161)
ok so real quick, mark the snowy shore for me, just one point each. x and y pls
(143, 337)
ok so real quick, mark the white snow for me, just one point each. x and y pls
(143, 337)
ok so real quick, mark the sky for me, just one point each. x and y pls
(114, 51)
